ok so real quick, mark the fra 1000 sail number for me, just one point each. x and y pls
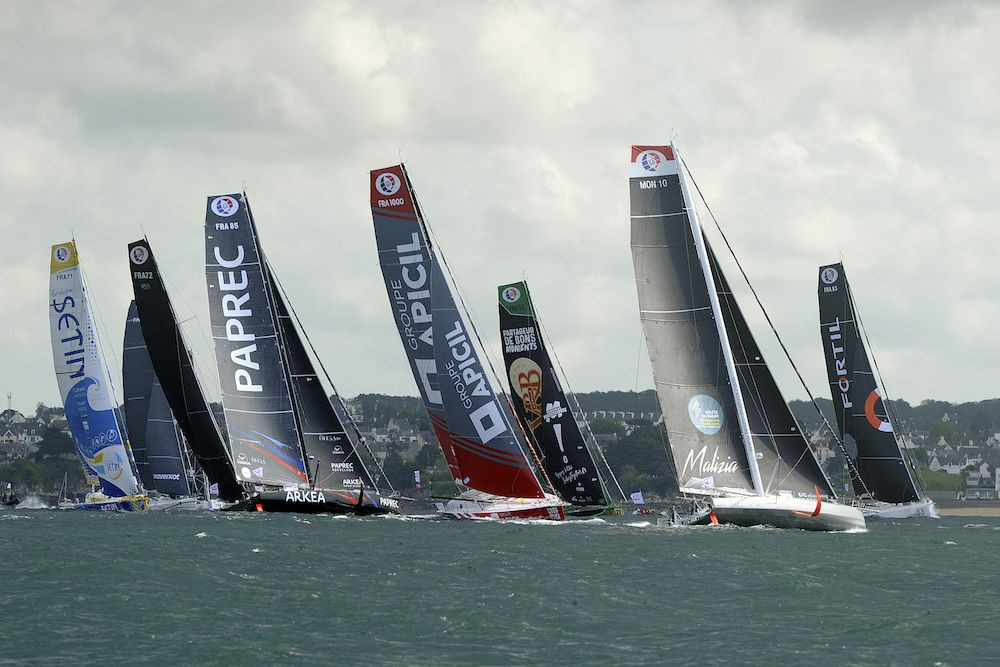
(386, 203)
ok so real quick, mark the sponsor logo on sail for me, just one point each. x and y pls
(245, 471)
(342, 467)
(511, 294)
(843, 381)
(296, 496)
(387, 183)
(526, 379)
(706, 414)
(829, 275)
(139, 254)
(651, 160)
(225, 206)
(696, 463)
(875, 421)
(61, 254)
(172, 476)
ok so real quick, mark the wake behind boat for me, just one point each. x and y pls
(725, 417)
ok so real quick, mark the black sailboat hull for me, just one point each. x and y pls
(316, 502)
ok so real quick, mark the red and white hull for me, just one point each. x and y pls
(786, 512)
(478, 505)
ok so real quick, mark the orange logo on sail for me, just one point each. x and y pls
(873, 419)
(526, 378)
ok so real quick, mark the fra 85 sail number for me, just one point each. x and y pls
(386, 203)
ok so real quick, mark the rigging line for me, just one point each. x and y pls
(569, 392)
(360, 438)
(198, 363)
(890, 408)
(767, 317)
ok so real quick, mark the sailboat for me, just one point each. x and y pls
(9, 497)
(885, 482)
(288, 439)
(156, 445)
(732, 436)
(544, 410)
(485, 457)
(172, 367)
(85, 387)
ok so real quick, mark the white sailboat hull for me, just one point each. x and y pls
(924, 507)
(787, 512)
(478, 505)
(188, 503)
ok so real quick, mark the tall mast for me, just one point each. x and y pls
(727, 353)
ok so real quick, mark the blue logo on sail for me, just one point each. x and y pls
(706, 414)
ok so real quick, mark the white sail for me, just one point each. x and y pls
(84, 384)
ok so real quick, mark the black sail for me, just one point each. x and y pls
(174, 370)
(541, 404)
(260, 418)
(166, 463)
(689, 370)
(137, 383)
(784, 457)
(332, 456)
(862, 418)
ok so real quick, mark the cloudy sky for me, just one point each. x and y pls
(816, 130)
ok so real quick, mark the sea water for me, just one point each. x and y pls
(218, 588)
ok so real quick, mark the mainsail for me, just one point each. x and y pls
(84, 383)
(864, 425)
(163, 447)
(137, 384)
(482, 451)
(263, 433)
(542, 405)
(174, 369)
(718, 397)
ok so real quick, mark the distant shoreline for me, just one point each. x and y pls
(989, 511)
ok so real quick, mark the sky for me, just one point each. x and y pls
(817, 131)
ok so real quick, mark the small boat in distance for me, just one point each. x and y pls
(9, 498)
(85, 387)
(733, 438)
(485, 457)
(884, 479)
(541, 404)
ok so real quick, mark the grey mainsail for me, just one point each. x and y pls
(137, 383)
(163, 447)
(729, 427)
(689, 372)
(865, 427)
(263, 434)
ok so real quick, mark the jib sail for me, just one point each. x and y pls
(137, 384)
(163, 448)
